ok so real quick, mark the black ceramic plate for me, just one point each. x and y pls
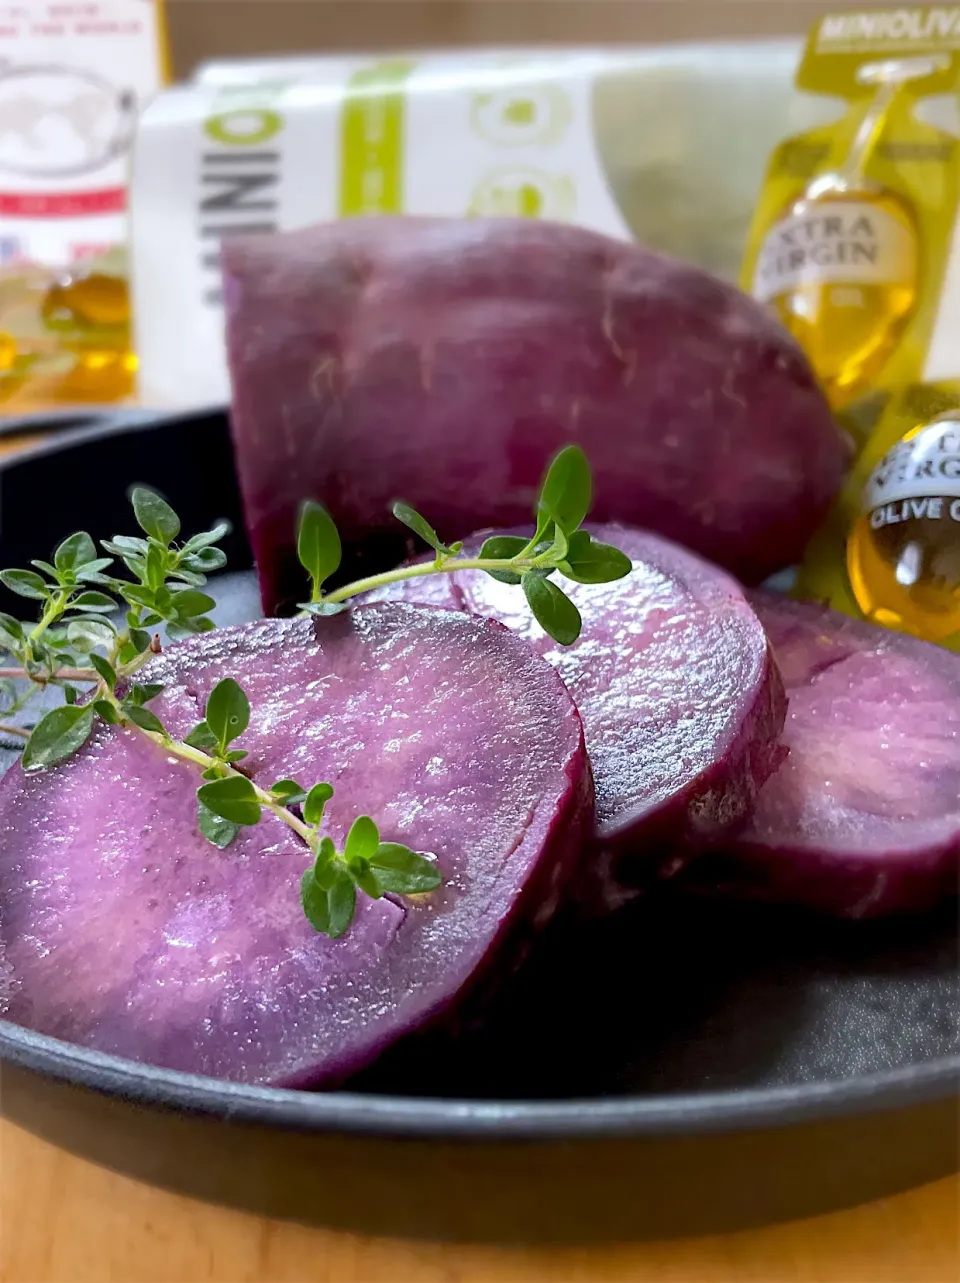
(69, 420)
(686, 1067)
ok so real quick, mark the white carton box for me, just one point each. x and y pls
(667, 145)
(73, 75)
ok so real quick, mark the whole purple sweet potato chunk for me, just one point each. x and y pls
(444, 361)
(682, 704)
(122, 929)
(863, 818)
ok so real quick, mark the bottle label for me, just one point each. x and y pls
(853, 242)
(926, 466)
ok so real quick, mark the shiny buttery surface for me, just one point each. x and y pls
(681, 705)
(448, 731)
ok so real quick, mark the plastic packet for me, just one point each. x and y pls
(854, 242)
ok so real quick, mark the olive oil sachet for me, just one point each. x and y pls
(855, 230)
(890, 552)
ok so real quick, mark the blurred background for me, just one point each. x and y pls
(651, 119)
(201, 29)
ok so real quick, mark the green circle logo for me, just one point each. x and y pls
(244, 126)
(524, 192)
(521, 115)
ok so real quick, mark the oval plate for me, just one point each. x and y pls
(682, 1068)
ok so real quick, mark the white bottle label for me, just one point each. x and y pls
(926, 465)
(853, 242)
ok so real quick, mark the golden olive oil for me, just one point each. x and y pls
(903, 552)
(852, 241)
(65, 338)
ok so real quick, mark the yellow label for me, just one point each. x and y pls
(371, 140)
(840, 43)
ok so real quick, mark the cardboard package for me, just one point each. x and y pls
(666, 145)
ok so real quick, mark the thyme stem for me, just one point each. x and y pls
(517, 564)
(74, 674)
(204, 761)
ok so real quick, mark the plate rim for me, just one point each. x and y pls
(469, 1119)
(49, 432)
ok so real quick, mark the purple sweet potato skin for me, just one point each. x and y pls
(444, 361)
(863, 818)
(681, 700)
(123, 930)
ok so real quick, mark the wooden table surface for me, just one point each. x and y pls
(63, 1220)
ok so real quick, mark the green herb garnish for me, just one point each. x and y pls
(558, 545)
(77, 640)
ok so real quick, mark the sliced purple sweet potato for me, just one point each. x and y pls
(445, 361)
(863, 818)
(125, 931)
(681, 701)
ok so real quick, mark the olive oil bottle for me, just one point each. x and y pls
(65, 336)
(903, 551)
(890, 552)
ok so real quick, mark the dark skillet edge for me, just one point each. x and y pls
(75, 418)
(57, 429)
(353, 1113)
(70, 418)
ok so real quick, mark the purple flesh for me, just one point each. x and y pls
(125, 931)
(444, 361)
(681, 702)
(863, 818)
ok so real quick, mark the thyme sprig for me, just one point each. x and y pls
(76, 641)
(558, 545)
(77, 629)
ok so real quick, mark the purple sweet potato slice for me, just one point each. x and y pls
(863, 818)
(444, 361)
(123, 930)
(681, 701)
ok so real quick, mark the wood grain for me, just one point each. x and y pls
(65, 1221)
